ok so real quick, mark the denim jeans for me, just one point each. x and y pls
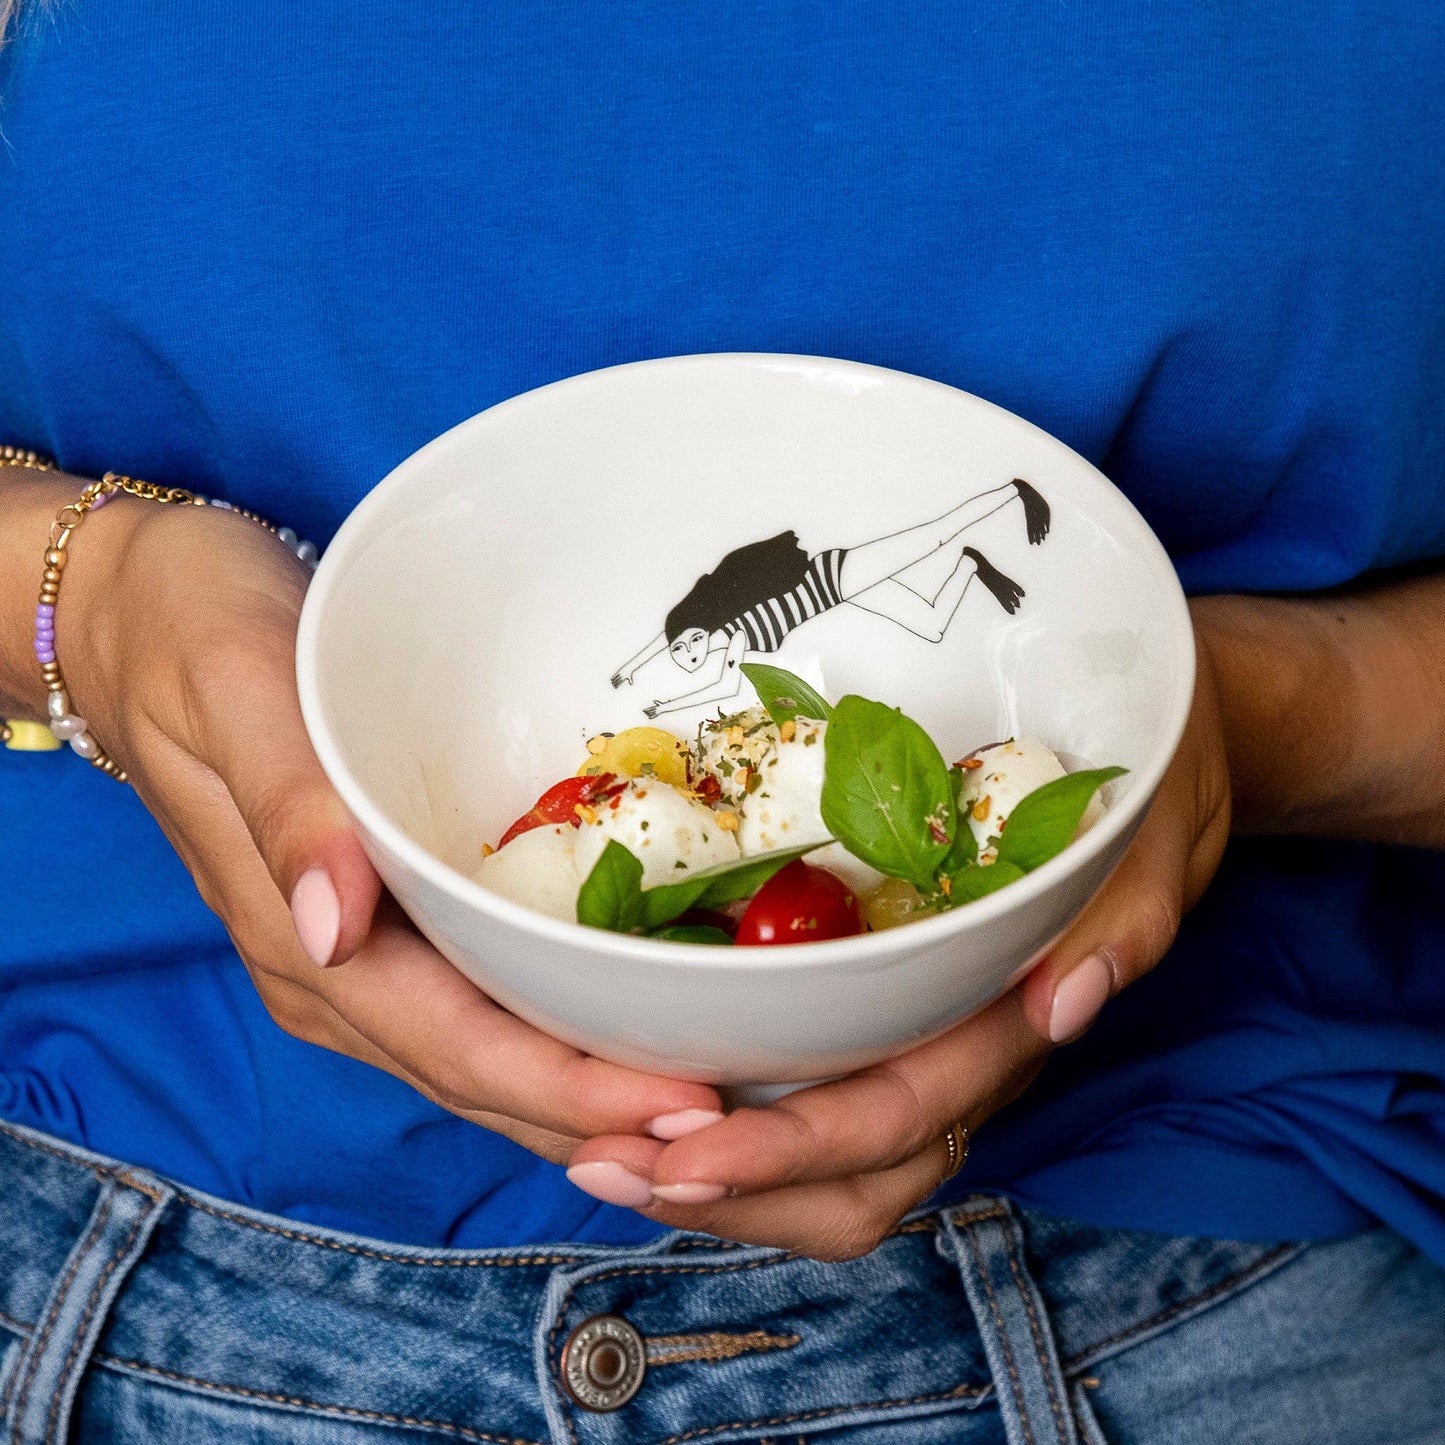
(134, 1310)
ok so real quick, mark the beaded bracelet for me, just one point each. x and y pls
(65, 725)
(23, 457)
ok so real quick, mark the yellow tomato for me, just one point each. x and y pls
(892, 902)
(639, 753)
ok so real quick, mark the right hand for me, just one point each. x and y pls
(177, 633)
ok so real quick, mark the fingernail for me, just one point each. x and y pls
(690, 1193)
(684, 1122)
(316, 912)
(1079, 997)
(611, 1183)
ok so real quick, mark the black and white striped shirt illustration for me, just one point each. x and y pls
(761, 593)
(765, 624)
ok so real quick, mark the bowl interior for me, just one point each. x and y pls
(465, 626)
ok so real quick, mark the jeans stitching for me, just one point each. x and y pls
(19, 1138)
(356, 1412)
(959, 1392)
(37, 1345)
(19, 1326)
(1239, 1278)
(429, 1261)
(662, 1267)
(97, 1289)
(1025, 1289)
(1003, 1339)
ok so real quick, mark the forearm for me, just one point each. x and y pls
(1334, 710)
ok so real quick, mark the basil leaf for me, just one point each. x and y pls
(977, 881)
(784, 695)
(611, 895)
(694, 933)
(1044, 822)
(964, 849)
(715, 887)
(886, 791)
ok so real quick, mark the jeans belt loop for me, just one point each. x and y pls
(1013, 1323)
(43, 1387)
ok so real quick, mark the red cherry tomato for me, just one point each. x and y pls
(800, 904)
(559, 804)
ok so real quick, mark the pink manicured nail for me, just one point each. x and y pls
(691, 1193)
(611, 1183)
(316, 912)
(684, 1122)
(1079, 997)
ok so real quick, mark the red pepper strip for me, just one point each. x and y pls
(559, 804)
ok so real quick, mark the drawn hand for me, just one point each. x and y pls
(653, 708)
(619, 678)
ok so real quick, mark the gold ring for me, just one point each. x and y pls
(957, 1141)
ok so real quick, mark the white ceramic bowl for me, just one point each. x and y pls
(460, 635)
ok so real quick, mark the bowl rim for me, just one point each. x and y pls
(877, 949)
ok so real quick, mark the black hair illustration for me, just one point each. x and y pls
(761, 569)
(760, 593)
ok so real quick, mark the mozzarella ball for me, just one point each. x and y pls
(783, 808)
(538, 870)
(670, 834)
(731, 747)
(1008, 773)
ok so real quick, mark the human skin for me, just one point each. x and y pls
(176, 629)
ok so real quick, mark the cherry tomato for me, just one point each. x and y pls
(800, 904)
(559, 804)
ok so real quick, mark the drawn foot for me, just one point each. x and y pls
(1037, 516)
(1007, 593)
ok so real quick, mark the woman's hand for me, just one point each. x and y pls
(176, 629)
(829, 1171)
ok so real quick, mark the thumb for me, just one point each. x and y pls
(257, 744)
(1133, 919)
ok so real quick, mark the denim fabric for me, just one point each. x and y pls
(134, 1310)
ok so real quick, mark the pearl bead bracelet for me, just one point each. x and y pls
(66, 725)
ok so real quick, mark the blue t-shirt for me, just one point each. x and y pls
(268, 254)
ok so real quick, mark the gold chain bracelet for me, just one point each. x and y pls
(66, 725)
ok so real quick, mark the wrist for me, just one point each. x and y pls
(29, 501)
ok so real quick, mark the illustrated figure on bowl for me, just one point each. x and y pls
(760, 593)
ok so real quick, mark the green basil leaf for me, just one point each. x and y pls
(964, 848)
(1044, 822)
(715, 887)
(977, 881)
(784, 695)
(886, 792)
(611, 895)
(694, 933)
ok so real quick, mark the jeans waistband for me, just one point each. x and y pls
(110, 1269)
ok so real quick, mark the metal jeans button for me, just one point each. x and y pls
(603, 1363)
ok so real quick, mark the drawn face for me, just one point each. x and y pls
(689, 650)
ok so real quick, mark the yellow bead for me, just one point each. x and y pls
(31, 737)
(55, 558)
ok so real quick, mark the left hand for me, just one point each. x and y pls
(828, 1171)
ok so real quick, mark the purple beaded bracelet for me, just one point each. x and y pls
(66, 725)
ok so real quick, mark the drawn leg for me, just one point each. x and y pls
(873, 562)
(930, 619)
